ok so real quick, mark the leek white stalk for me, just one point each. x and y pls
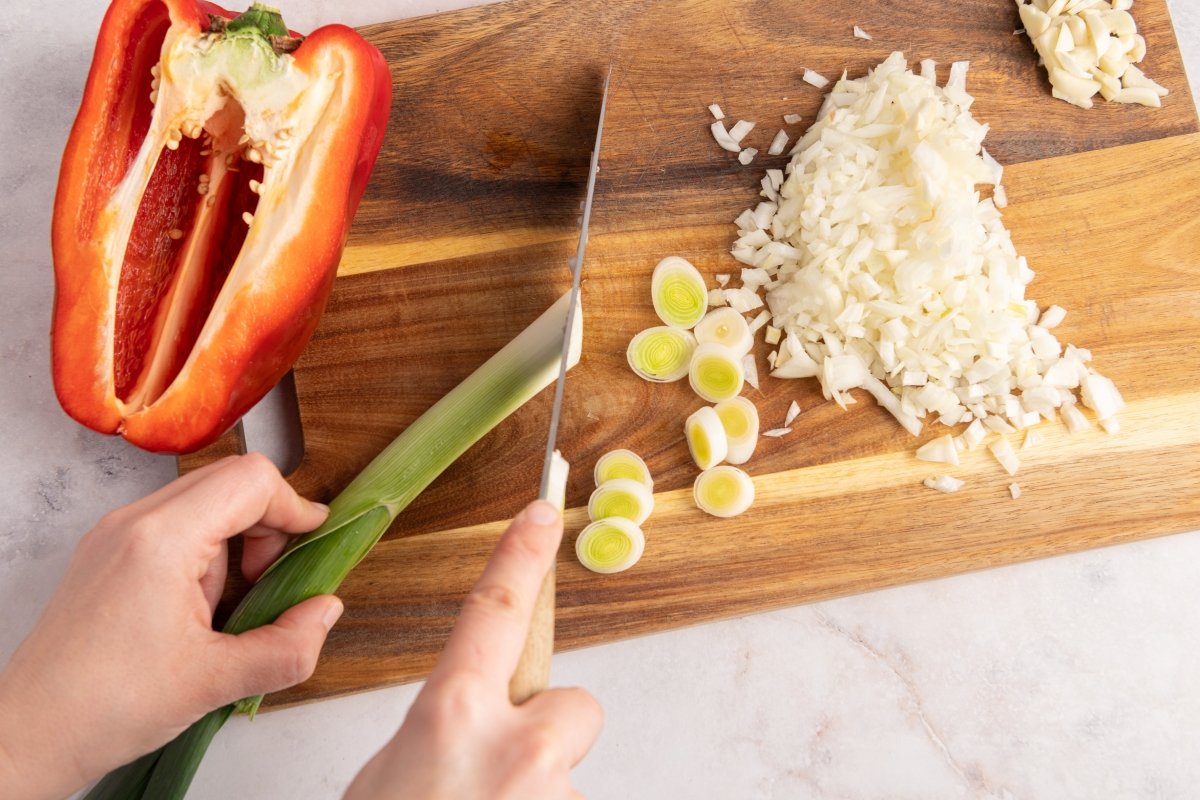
(723, 491)
(706, 438)
(661, 354)
(610, 545)
(622, 464)
(739, 418)
(621, 497)
(319, 561)
(725, 326)
(716, 373)
(678, 291)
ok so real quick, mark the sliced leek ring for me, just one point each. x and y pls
(678, 291)
(706, 438)
(610, 545)
(621, 497)
(623, 464)
(716, 373)
(739, 417)
(727, 327)
(723, 491)
(661, 354)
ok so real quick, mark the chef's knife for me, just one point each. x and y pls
(532, 674)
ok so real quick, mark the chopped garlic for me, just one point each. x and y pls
(1089, 47)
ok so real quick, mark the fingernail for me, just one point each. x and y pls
(539, 512)
(321, 506)
(332, 614)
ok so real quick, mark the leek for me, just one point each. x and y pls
(621, 497)
(678, 291)
(739, 418)
(610, 545)
(622, 464)
(723, 491)
(706, 439)
(716, 373)
(661, 354)
(319, 561)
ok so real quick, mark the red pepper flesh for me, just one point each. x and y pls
(201, 213)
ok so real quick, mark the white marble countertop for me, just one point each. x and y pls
(1070, 678)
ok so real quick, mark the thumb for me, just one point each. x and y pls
(279, 655)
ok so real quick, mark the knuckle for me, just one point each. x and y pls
(496, 599)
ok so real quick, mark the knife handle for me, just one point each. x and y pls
(532, 674)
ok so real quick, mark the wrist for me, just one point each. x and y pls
(29, 767)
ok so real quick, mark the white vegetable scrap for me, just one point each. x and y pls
(792, 412)
(723, 138)
(776, 433)
(792, 119)
(944, 483)
(859, 33)
(716, 111)
(740, 129)
(778, 144)
(746, 156)
(1014, 489)
(1089, 47)
(815, 78)
(941, 449)
(883, 270)
(1003, 452)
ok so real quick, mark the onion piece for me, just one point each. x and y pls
(778, 144)
(974, 435)
(706, 439)
(610, 545)
(750, 369)
(792, 412)
(678, 291)
(740, 129)
(723, 491)
(1004, 453)
(815, 79)
(944, 483)
(621, 497)
(739, 418)
(716, 111)
(1075, 420)
(777, 433)
(941, 449)
(661, 354)
(726, 327)
(773, 335)
(859, 33)
(792, 119)
(622, 464)
(1052, 317)
(1032, 438)
(1014, 489)
(723, 138)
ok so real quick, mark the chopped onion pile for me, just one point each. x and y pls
(884, 271)
(723, 491)
(1089, 47)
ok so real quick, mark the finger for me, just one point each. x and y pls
(212, 582)
(573, 714)
(278, 655)
(245, 492)
(260, 547)
(164, 493)
(490, 632)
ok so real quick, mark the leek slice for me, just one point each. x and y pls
(716, 373)
(621, 497)
(623, 464)
(610, 545)
(679, 294)
(319, 561)
(661, 354)
(739, 418)
(723, 491)
(706, 438)
(726, 327)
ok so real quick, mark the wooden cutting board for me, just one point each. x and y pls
(463, 240)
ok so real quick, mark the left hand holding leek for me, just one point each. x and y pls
(125, 656)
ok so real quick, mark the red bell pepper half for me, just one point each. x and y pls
(205, 195)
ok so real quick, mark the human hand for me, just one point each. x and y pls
(125, 657)
(462, 738)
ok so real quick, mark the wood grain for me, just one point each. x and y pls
(463, 240)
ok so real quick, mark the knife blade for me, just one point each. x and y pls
(532, 674)
(576, 264)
